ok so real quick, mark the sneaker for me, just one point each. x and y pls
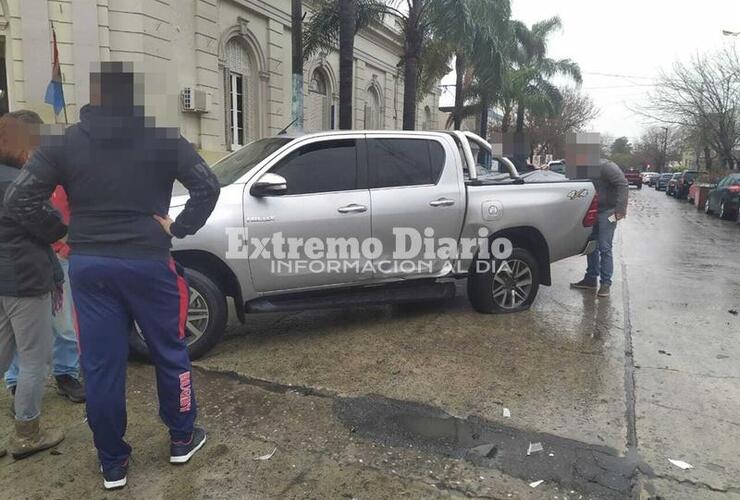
(585, 283)
(604, 290)
(71, 388)
(181, 451)
(115, 477)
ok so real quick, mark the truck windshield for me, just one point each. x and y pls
(229, 169)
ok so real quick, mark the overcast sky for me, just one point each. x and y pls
(633, 39)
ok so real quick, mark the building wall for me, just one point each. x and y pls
(179, 43)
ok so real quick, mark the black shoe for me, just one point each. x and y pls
(115, 477)
(585, 283)
(71, 388)
(180, 451)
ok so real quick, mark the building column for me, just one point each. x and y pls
(389, 89)
(36, 51)
(278, 104)
(86, 48)
(207, 73)
(358, 106)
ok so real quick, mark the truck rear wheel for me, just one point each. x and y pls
(504, 286)
(206, 322)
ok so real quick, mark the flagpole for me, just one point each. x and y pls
(55, 54)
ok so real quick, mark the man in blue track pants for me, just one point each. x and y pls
(118, 171)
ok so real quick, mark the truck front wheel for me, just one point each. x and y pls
(206, 320)
(504, 286)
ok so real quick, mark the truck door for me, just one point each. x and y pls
(327, 200)
(415, 186)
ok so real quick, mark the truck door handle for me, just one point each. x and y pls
(352, 208)
(442, 202)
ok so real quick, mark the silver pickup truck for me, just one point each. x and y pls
(338, 219)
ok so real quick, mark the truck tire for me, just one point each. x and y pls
(206, 299)
(505, 286)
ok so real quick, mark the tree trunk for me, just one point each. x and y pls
(707, 157)
(519, 116)
(411, 66)
(459, 101)
(297, 63)
(485, 102)
(506, 119)
(347, 25)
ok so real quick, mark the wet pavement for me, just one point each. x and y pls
(408, 402)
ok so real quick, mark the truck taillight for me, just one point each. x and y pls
(592, 214)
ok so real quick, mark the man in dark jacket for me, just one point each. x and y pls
(613, 189)
(29, 273)
(118, 171)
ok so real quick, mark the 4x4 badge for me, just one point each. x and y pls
(577, 194)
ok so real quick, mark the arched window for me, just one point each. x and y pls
(427, 123)
(237, 77)
(319, 109)
(373, 109)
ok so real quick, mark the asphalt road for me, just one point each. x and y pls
(408, 402)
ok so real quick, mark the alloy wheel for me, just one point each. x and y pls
(512, 284)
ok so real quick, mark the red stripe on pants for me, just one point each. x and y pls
(182, 288)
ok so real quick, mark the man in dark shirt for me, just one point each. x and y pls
(613, 190)
(118, 170)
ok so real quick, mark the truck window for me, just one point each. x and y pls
(320, 167)
(404, 162)
(232, 167)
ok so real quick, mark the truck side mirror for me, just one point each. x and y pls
(269, 185)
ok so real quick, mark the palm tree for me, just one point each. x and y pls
(469, 27)
(337, 22)
(529, 80)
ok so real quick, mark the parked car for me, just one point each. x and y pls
(670, 189)
(684, 182)
(362, 186)
(649, 178)
(724, 200)
(661, 183)
(633, 178)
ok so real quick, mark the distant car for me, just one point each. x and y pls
(684, 182)
(633, 178)
(649, 178)
(661, 183)
(724, 200)
(670, 189)
(557, 166)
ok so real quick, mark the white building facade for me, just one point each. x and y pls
(233, 55)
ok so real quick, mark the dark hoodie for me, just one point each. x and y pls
(118, 171)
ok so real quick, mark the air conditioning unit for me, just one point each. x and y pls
(195, 100)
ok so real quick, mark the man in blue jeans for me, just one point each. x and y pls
(118, 171)
(613, 189)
